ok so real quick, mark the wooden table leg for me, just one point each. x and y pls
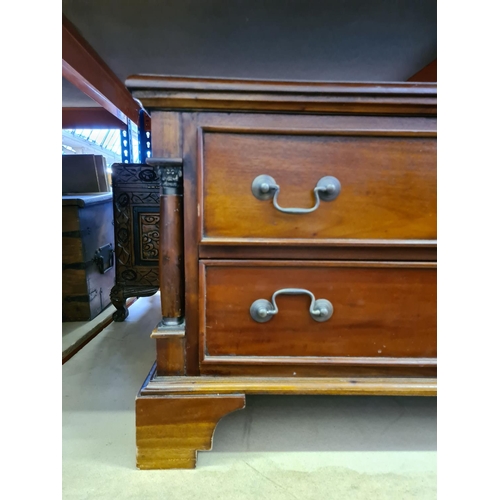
(170, 430)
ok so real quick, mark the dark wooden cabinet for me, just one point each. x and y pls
(137, 235)
(88, 271)
(297, 248)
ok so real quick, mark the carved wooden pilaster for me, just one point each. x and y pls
(171, 262)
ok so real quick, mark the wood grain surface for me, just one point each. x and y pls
(171, 261)
(355, 386)
(173, 92)
(381, 310)
(371, 252)
(170, 357)
(294, 248)
(389, 187)
(170, 430)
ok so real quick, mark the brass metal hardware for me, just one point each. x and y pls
(104, 258)
(264, 187)
(262, 310)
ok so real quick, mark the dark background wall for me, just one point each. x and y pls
(338, 40)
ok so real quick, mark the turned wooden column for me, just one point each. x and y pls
(171, 262)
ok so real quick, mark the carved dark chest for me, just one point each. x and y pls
(136, 190)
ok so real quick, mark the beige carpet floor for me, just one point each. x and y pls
(278, 447)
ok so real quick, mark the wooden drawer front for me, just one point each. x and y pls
(381, 310)
(388, 185)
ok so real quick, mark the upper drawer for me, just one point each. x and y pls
(387, 184)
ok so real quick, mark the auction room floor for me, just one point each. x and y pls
(278, 447)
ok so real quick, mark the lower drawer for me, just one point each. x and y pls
(382, 313)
